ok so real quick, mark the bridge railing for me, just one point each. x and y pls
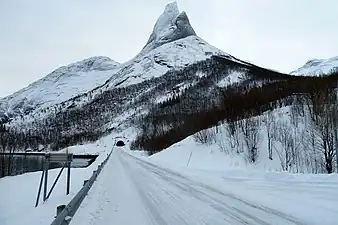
(69, 211)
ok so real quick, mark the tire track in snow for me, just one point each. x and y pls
(230, 205)
(150, 206)
(166, 203)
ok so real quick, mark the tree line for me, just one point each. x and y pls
(240, 104)
(200, 105)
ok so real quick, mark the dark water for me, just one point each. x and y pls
(16, 164)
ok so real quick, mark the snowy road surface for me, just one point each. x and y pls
(132, 190)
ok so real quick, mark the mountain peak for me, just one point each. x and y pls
(96, 63)
(317, 67)
(172, 25)
(313, 62)
(171, 8)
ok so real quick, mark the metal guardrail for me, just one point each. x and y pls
(69, 211)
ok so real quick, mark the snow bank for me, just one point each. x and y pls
(210, 157)
(18, 193)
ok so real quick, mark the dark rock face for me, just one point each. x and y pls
(313, 62)
(170, 26)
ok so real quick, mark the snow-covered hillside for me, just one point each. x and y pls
(170, 56)
(283, 140)
(234, 77)
(317, 67)
(219, 151)
(173, 45)
(60, 85)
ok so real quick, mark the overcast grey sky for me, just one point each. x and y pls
(37, 36)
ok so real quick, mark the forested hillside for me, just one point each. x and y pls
(243, 108)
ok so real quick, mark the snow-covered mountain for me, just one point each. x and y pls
(317, 67)
(170, 26)
(174, 66)
(170, 56)
(173, 45)
(60, 85)
(206, 109)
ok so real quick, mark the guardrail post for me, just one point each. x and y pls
(59, 209)
(68, 178)
(46, 180)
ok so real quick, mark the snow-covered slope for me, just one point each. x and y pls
(317, 67)
(172, 45)
(232, 78)
(60, 85)
(221, 148)
(170, 56)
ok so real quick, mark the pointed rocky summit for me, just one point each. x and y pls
(170, 26)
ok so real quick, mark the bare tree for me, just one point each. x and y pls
(296, 146)
(250, 129)
(284, 136)
(233, 135)
(270, 126)
(3, 139)
(324, 112)
(206, 136)
(222, 145)
(324, 126)
(311, 142)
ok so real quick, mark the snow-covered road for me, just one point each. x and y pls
(133, 190)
